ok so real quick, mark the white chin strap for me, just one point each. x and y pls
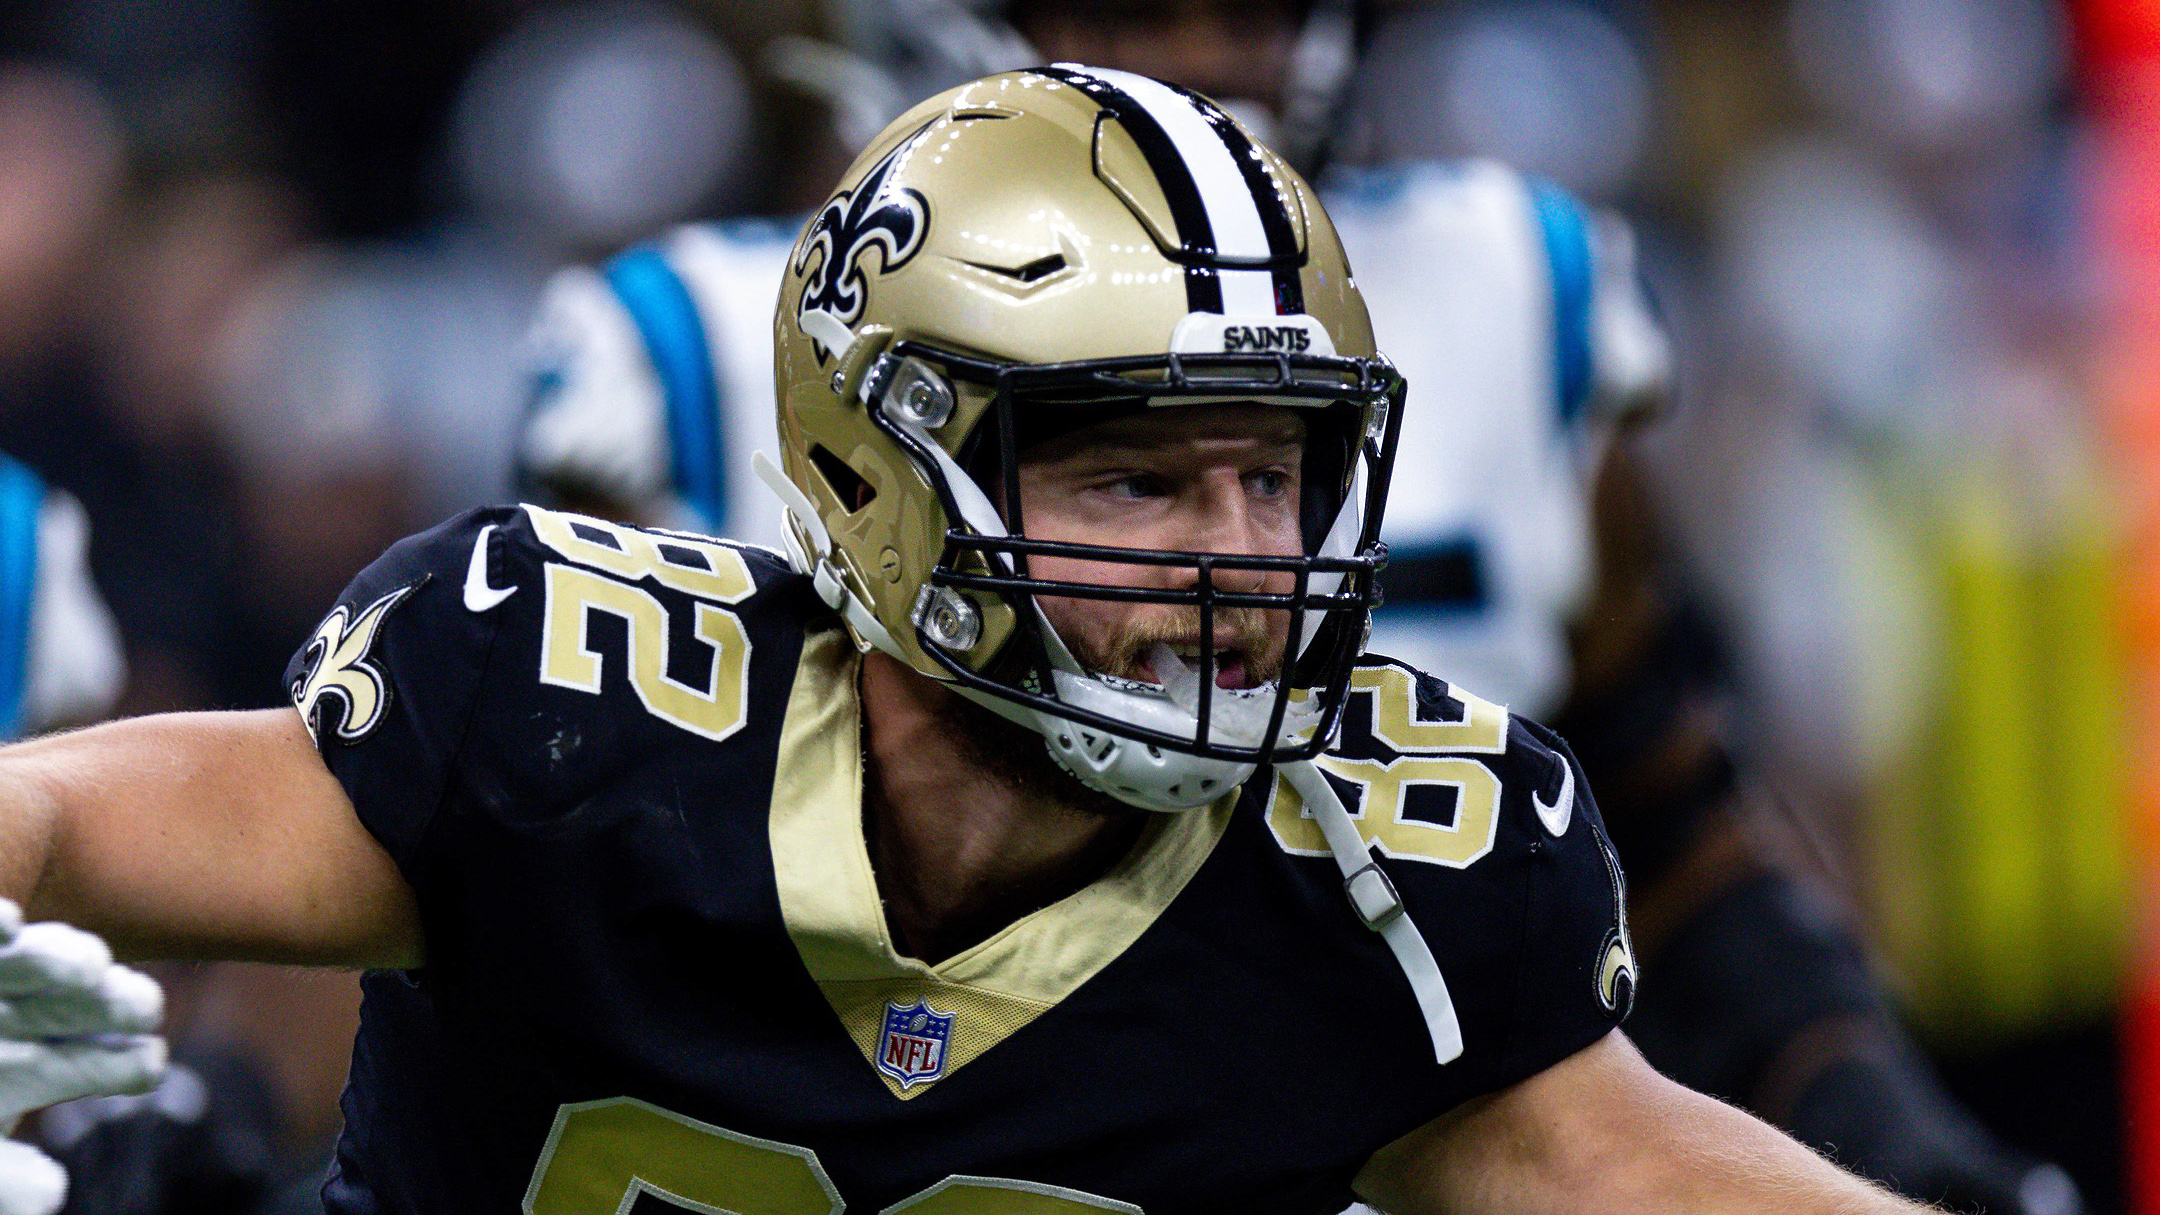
(1373, 896)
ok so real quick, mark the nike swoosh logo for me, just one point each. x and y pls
(1561, 810)
(479, 596)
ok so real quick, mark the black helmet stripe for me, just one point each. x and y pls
(1203, 291)
(1237, 240)
(1274, 212)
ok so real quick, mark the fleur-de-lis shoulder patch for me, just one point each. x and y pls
(1616, 954)
(337, 668)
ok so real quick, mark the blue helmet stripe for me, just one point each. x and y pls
(1567, 252)
(667, 318)
(21, 494)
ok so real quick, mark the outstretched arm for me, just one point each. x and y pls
(1602, 1131)
(201, 835)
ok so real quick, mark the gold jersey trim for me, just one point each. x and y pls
(829, 898)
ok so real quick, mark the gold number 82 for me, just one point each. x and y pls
(603, 1154)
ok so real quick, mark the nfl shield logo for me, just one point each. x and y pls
(912, 1048)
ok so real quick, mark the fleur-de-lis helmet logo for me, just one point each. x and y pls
(873, 215)
(337, 668)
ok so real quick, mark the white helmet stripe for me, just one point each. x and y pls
(1233, 213)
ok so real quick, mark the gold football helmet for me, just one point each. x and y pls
(1031, 247)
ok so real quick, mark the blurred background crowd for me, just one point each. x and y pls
(266, 268)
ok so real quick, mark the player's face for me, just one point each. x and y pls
(1189, 478)
(1227, 49)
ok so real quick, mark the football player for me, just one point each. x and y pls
(1012, 846)
(60, 660)
(72, 1024)
(1523, 556)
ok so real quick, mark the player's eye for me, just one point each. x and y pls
(1136, 486)
(1268, 482)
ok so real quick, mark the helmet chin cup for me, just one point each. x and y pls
(1137, 773)
(1134, 772)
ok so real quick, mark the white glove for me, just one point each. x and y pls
(72, 1024)
(31, 1183)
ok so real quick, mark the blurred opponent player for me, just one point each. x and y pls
(71, 1023)
(60, 658)
(1523, 558)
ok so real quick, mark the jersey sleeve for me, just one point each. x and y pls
(1485, 826)
(1575, 971)
(388, 680)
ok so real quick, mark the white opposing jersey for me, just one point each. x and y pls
(60, 657)
(1515, 315)
(652, 379)
(1512, 311)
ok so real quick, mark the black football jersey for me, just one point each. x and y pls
(621, 771)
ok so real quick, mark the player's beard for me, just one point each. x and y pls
(1019, 758)
(1246, 631)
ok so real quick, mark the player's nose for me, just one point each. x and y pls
(1220, 517)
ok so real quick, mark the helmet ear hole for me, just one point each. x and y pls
(847, 485)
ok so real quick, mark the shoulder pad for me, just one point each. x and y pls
(1421, 765)
(454, 659)
(1486, 829)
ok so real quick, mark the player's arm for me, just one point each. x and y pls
(209, 835)
(1602, 1131)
